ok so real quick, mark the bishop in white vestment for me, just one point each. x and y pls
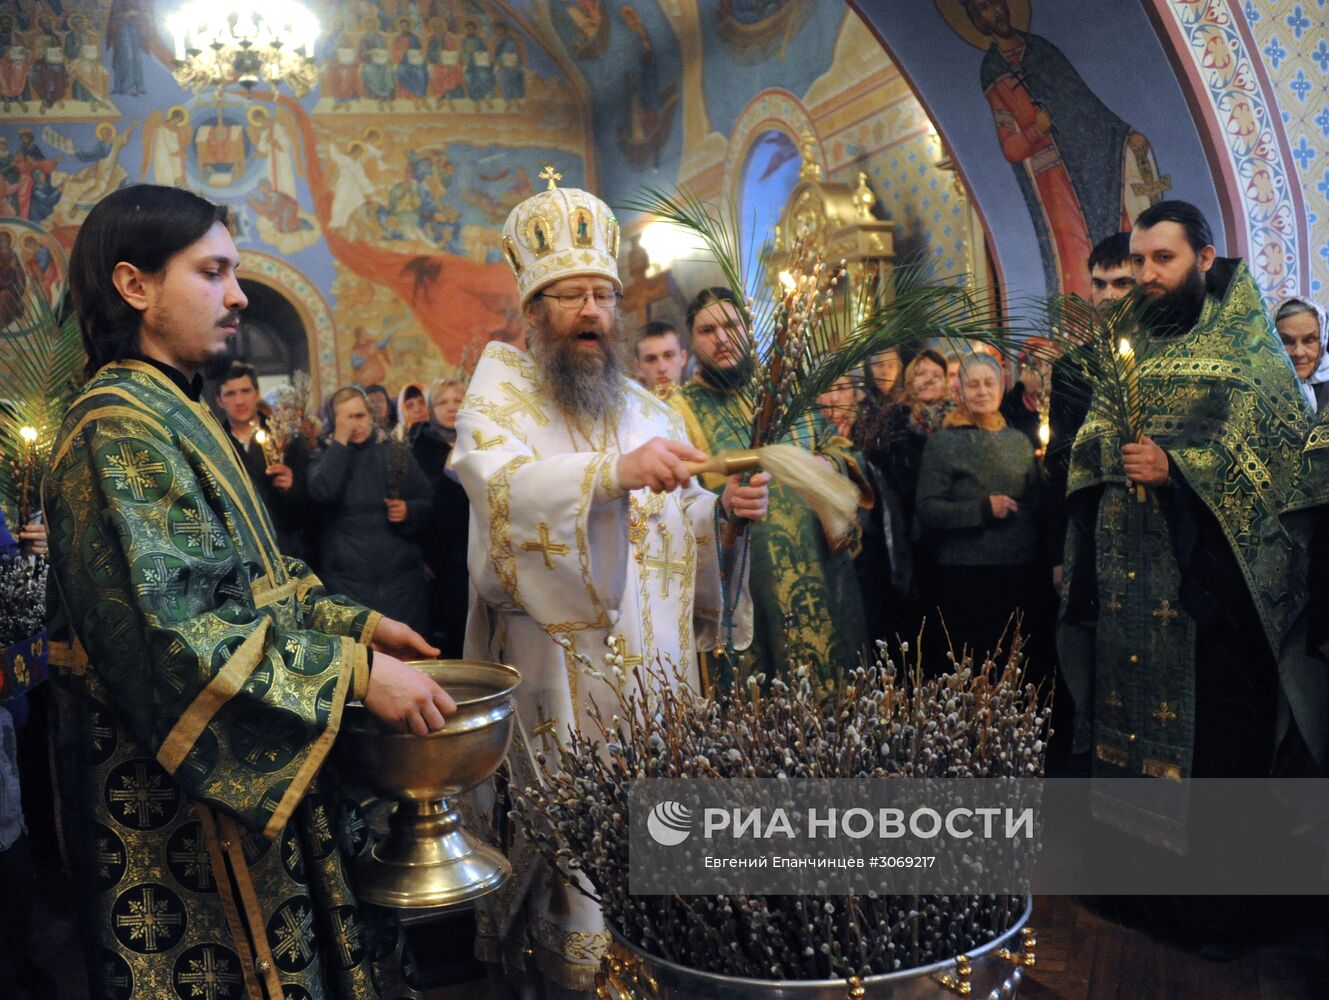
(585, 543)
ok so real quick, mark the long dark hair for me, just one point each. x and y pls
(144, 225)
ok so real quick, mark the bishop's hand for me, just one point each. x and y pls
(657, 465)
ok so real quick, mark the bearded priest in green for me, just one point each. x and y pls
(807, 608)
(1180, 583)
(195, 729)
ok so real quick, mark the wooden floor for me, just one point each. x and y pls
(1082, 956)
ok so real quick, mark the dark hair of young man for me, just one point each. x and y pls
(709, 296)
(1184, 214)
(1112, 251)
(658, 328)
(144, 225)
(237, 369)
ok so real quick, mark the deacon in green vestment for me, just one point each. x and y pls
(806, 603)
(195, 725)
(1175, 607)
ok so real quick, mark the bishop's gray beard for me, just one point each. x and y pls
(583, 384)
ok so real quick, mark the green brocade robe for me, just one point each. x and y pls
(806, 603)
(1231, 419)
(195, 720)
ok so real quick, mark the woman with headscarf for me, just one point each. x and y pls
(445, 542)
(1304, 330)
(979, 494)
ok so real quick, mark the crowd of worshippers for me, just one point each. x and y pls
(964, 538)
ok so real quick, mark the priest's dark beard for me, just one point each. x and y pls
(1175, 312)
(583, 384)
(737, 374)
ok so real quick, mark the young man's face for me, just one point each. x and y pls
(719, 337)
(1108, 284)
(193, 306)
(660, 360)
(238, 398)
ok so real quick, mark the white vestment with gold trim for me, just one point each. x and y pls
(561, 560)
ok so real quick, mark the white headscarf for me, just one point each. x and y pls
(1321, 373)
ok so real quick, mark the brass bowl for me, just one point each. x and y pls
(428, 859)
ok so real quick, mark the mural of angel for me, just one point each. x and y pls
(165, 145)
(352, 187)
(273, 137)
(648, 112)
(370, 358)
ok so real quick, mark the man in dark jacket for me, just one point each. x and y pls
(376, 504)
(281, 485)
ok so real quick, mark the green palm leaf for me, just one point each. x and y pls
(41, 364)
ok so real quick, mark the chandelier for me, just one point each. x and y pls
(219, 44)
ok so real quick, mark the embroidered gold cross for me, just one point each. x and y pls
(1114, 604)
(545, 547)
(522, 402)
(550, 174)
(662, 564)
(621, 649)
(544, 728)
(1164, 714)
(1166, 612)
(483, 443)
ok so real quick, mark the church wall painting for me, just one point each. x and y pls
(1046, 203)
(392, 198)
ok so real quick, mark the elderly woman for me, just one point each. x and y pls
(1304, 330)
(978, 500)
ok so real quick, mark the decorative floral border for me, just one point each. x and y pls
(1271, 221)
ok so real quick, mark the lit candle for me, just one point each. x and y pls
(1127, 354)
(29, 436)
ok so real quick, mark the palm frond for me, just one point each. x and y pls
(815, 330)
(40, 374)
(1095, 338)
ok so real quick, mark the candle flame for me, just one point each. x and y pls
(29, 434)
(1124, 348)
(787, 280)
(1044, 432)
(261, 436)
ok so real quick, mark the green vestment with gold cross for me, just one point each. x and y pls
(806, 603)
(198, 714)
(1186, 596)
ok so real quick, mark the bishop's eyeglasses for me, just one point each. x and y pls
(605, 298)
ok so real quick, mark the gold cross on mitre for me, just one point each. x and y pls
(545, 547)
(550, 174)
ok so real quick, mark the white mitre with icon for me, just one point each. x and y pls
(560, 233)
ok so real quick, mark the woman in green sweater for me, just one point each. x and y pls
(979, 493)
